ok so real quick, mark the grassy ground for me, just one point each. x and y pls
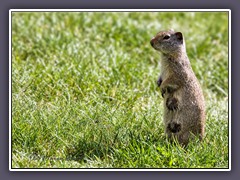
(84, 92)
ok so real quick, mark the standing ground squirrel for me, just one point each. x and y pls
(184, 106)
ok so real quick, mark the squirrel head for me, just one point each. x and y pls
(169, 42)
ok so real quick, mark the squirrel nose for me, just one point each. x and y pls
(152, 41)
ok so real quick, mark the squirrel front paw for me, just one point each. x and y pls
(163, 91)
(159, 81)
(172, 103)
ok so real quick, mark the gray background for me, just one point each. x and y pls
(5, 5)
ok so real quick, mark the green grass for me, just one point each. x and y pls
(84, 91)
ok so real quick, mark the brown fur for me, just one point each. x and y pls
(184, 106)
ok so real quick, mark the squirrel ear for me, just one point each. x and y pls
(179, 36)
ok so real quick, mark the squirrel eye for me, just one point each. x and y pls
(166, 37)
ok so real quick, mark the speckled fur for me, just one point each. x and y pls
(179, 81)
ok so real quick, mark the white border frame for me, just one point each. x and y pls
(118, 10)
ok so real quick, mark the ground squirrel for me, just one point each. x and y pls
(184, 106)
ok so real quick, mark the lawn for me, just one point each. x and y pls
(84, 91)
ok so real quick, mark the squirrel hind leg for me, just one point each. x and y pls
(174, 127)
